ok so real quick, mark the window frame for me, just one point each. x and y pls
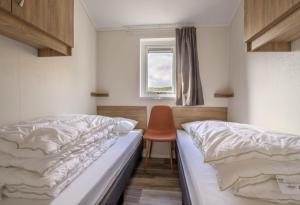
(156, 44)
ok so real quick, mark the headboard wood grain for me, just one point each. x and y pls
(189, 114)
(138, 113)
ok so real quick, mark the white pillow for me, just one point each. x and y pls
(189, 126)
(124, 125)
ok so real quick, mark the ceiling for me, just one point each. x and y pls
(127, 13)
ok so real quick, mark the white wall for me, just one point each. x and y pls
(32, 86)
(118, 71)
(266, 85)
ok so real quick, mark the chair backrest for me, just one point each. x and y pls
(161, 119)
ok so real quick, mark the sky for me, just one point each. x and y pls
(160, 69)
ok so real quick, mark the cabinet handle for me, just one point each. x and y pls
(20, 3)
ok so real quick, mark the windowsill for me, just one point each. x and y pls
(159, 97)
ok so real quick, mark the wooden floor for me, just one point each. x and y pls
(158, 185)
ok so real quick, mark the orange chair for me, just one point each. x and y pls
(161, 128)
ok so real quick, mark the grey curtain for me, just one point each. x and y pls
(188, 87)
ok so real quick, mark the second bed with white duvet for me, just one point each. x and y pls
(201, 177)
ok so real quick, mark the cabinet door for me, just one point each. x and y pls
(55, 17)
(5, 4)
(32, 11)
(61, 20)
(261, 13)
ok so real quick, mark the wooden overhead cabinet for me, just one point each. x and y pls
(271, 25)
(47, 25)
(6, 5)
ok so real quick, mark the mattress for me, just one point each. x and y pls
(201, 178)
(91, 186)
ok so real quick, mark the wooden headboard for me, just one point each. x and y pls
(138, 113)
(189, 114)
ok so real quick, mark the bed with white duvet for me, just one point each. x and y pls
(230, 163)
(69, 159)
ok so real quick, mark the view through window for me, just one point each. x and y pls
(157, 68)
(160, 71)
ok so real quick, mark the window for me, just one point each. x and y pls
(157, 67)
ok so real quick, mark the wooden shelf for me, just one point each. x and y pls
(224, 95)
(94, 94)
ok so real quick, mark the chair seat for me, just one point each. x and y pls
(160, 136)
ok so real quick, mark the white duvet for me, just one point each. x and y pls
(261, 178)
(226, 141)
(23, 184)
(46, 164)
(49, 135)
(253, 162)
(231, 173)
(43, 156)
(265, 188)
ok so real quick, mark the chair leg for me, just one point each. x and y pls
(176, 157)
(150, 150)
(147, 154)
(171, 154)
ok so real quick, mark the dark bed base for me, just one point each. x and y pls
(186, 200)
(115, 194)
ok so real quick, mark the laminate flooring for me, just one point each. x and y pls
(157, 185)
